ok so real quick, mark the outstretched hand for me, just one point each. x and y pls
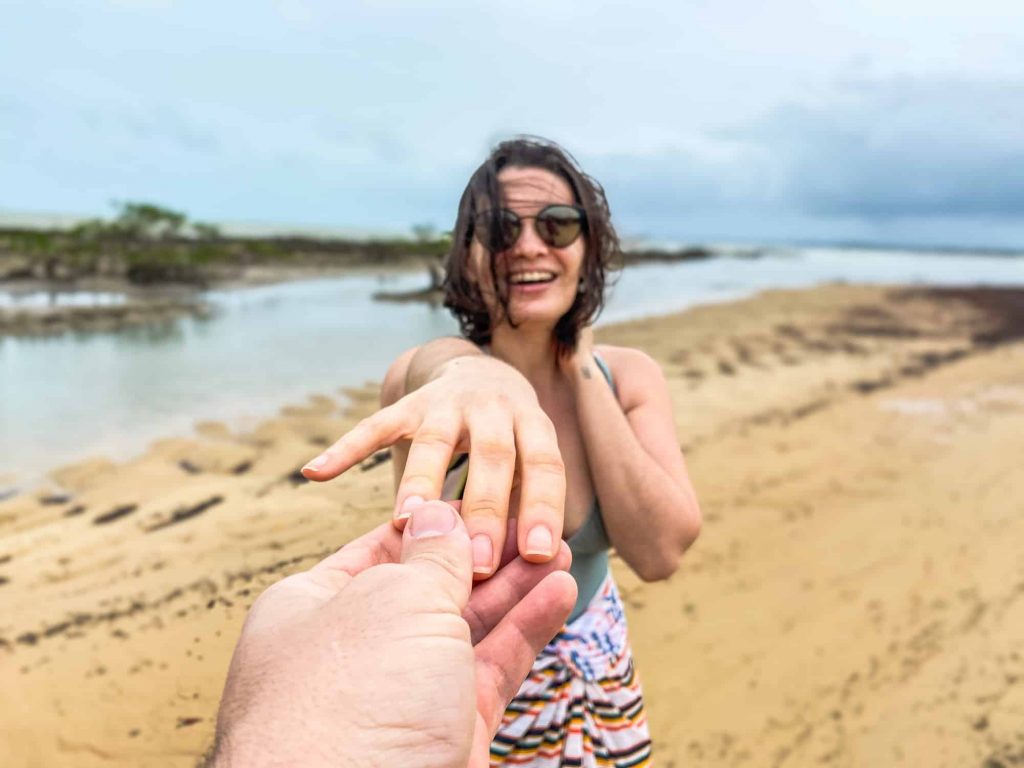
(485, 407)
(381, 651)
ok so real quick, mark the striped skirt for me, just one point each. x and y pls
(581, 704)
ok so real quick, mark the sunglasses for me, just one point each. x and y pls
(498, 229)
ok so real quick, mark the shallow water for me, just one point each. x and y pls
(83, 394)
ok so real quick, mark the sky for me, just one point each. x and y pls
(885, 121)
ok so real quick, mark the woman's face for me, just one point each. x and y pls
(541, 280)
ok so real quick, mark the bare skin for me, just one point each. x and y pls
(546, 434)
(381, 651)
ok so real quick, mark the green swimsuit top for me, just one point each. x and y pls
(589, 545)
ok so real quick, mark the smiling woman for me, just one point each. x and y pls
(542, 436)
(529, 182)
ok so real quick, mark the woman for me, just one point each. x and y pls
(565, 438)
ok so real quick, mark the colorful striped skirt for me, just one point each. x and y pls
(581, 704)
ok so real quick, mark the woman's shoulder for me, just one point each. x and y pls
(627, 360)
(435, 352)
(636, 373)
(392, 389)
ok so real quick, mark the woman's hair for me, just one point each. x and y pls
(462, 294)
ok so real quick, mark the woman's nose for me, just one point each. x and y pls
(529, 244)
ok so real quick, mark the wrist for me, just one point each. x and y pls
(430, 360)
(461, 364)
(581, 368)
(456, 365)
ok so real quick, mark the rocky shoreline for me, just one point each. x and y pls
(50, 320)
(170, 295)
(143, 305)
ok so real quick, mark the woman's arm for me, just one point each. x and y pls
(648, 504)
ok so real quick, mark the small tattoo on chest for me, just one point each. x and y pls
(585, 370)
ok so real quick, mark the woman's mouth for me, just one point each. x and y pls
(531, 278)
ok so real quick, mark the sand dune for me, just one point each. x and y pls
(856, 597)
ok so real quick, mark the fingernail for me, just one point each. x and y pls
(538, 541)
(483, 553)
(316, 463)
(409, 505)
(432, 520)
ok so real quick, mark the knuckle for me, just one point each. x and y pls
(494, 450)
(434, 436)
(358, 433)
(417, 481)
(375, 421)
(446, 561)
(546, 507)
(539, 426)
(368, 429)
(490, 407)
(544, 461)
(484, 507)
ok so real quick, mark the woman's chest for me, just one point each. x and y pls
(579, 487)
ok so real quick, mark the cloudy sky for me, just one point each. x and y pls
(722, 120)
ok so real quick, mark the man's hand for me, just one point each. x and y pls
(381, 655)
(482, 406)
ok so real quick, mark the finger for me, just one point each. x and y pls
(542, 490)
(504, 657)
(491, 600)
(492, 463)
(436, 547)
(332, 574)
(381, 545)
(370, 435)
(510, 551)
(430, 453)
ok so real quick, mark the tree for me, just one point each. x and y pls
(148, 221)
(205, 231)
(424, 233)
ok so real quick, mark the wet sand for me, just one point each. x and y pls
(856, 597)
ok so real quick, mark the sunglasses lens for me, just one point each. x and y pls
(559, 225)
(497, 229)
(509, 225)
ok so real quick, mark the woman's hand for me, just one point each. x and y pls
(381, 655)
(484, 407)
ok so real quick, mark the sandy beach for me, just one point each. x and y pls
(856, 597)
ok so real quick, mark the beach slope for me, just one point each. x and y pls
(856, 597)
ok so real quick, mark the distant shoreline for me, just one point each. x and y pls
(158, 280)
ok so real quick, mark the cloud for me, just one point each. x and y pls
(374, 113)
(902, 148)
(866, 158)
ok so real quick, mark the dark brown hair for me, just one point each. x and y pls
(462, 294)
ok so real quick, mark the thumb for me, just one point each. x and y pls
(436, 544)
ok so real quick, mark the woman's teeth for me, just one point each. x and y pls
(531, 277)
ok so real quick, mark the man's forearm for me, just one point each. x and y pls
(431, 357)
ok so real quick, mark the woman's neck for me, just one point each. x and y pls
(529, 351)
